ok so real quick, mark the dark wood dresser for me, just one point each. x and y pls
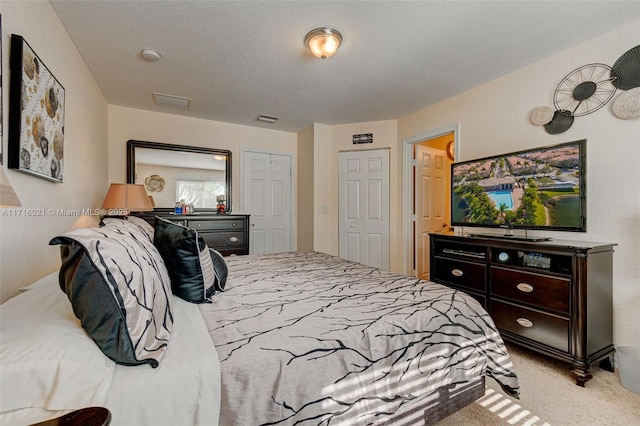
(227, 233)
(554, 297)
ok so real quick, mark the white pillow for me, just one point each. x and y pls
(42, 281)
(46, 358)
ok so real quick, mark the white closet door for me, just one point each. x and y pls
(364, 207)
(267, 198)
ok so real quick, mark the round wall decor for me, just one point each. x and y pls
(627, 105)
(585, 90)
(626, 70)
(561, 122)
(154, 183)
(542, 115)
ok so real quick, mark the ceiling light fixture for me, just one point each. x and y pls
(150, 55)
(323, 42)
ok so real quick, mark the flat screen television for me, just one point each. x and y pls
(541, 188)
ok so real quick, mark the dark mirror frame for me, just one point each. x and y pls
(131, 165)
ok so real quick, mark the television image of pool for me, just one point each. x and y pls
(539, 188)
(501, 197)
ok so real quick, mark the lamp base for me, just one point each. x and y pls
(111, 217)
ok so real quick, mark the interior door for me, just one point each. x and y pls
(267, 198)
(431, 201)
(364, 207)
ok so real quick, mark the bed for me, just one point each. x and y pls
(295, 338)
(309, 338)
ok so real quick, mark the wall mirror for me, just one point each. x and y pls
(172, 173)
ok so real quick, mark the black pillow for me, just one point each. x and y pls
(188, 261)
(120, 291)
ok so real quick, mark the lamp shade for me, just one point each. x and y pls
(323, 42)
(127, 197)
(8, 197)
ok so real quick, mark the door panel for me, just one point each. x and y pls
(374, 206)
(353, 247)
(352, 199)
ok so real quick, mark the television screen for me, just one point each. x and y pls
(540, 188)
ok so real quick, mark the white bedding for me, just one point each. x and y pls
(183, 390)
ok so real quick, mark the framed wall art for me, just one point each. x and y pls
(36, 115)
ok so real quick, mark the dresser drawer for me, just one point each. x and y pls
(223, 239)
(548, 329)
(544, 291)
(218, 224)
(460, 273)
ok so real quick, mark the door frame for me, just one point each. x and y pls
(408, 187)
(294, 184)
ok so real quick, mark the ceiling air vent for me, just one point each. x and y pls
(267, 118)
(171, 101)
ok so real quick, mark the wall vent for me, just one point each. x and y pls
(267, 118)
(170, 101)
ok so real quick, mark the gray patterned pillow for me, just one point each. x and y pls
(120, 291)
(137, 226)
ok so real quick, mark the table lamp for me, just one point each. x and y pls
(8, 197)
(124, 198)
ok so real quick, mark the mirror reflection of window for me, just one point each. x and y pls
(200, 194)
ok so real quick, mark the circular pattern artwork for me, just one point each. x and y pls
(561, 122)
(626, 70)
(154, 183)
(542, 115)
(585, 90)
(627, 105)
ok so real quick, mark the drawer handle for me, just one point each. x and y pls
(457, 272)
(233, 224)
(525, 287)
(199, 225)
(233, 239)
(525, 322)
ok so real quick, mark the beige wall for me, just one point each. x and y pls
(325, 218)
(306, 185)
(495, 118)
(328, 141)
(128, 123)
(24, 251)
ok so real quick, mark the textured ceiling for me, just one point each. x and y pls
(238, 59)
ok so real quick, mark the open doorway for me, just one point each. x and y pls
(427, 165)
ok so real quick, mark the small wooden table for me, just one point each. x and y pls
(90, 416)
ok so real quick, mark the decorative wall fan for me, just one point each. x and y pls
(626, 70)
(589, 88)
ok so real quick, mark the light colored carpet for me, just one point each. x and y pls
(550, 397)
